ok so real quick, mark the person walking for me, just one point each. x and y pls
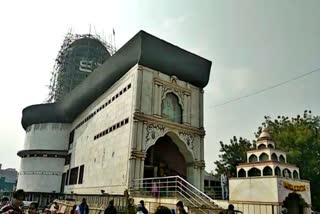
(224, 185)
(110, 209)
(139, 209)
(83, 207)
(180, 208)
(143, 208)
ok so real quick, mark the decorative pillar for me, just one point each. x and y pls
(134, 134)
(201, 147)
(201, 108)
(139, 136)
(189, 108)
(157, 99)
(186, 112)
(138, 92)
(132, 162)
(141, 168)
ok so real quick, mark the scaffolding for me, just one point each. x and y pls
(58, 86)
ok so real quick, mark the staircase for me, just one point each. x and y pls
(178, 188)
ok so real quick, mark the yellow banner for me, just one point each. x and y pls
(294, 187)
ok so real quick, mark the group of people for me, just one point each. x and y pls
(15, 205)
(83, 208)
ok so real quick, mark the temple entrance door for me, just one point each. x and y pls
(164, 159)
(294, 204)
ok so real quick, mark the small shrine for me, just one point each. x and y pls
(268, 182)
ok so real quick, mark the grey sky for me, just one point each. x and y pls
(252, 44)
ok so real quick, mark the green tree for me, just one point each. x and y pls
(232, 154)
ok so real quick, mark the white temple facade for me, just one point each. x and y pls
(269, 181)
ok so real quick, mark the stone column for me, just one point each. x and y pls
(138, 92)
(202, 179)
(141, 168)
(201, 147)
(134, 131)
(186, 112)
(189, 109)
(201, 108)
(132, 160)
(157, 99)
(139, 136)
(132, 163)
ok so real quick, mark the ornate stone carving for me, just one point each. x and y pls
(154, 131)
(166, 89)
(187, 139)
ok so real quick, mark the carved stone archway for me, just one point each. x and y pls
(155, 131)
(182, 140)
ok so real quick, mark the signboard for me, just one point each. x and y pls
(294, 187)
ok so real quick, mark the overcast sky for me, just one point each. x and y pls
(252, 44)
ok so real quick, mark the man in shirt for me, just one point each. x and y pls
(224, 185)
(83, 207)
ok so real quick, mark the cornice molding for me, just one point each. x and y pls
(179, 127)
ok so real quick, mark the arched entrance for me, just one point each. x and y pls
(294, 203)
(165, 159)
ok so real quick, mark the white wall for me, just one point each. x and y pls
(106, 158)
(264, 189)
(42, 174)
(48, 136)
(254, 189)
(38, 174)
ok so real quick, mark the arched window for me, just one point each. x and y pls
(253, 158)
(171, 109)
(295, 174)
(254, 172)
(286, 173)
(274, 157)
(262, 146)
(270, 146)
(241, 173)
(267, 171)
(263, 157)
(277, 171)
(281, 159)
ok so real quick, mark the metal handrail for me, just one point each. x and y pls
(189, 190)
(168, 177)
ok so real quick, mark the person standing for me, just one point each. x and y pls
(143, 208)
(14, 207)
(110, 209)
(224, 185)
(139, 209)
(180, 208)
(83, 207)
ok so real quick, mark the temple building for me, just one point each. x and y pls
(268, 180)
(144, 101)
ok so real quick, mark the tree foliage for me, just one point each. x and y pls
(232, 154)
(298, 136)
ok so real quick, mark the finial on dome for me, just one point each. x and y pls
(264, 134)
